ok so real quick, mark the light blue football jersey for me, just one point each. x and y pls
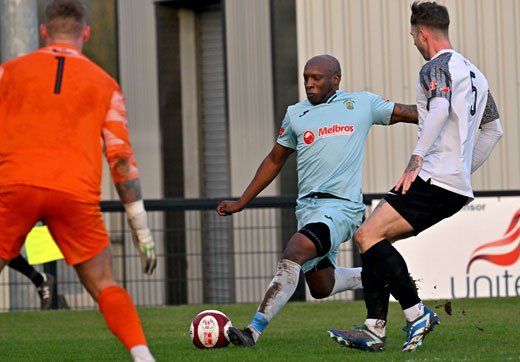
(329, 139)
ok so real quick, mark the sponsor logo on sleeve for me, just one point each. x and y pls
(446, 89)
(282, 130)
(386, 100)
(432, 85)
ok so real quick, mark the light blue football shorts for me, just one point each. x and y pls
(343, 217)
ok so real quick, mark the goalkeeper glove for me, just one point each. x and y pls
(141, 235)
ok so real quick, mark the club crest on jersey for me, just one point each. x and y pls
(350, 104)
(308, 137)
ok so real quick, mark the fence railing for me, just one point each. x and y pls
(203, 258)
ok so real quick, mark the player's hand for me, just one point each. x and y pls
(138, 221)
(410, 174)
(146, 247)
(229, 207)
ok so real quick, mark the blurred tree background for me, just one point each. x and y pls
(102, 45)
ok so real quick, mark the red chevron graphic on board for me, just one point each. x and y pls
(501, 259)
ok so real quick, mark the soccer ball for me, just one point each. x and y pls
(209, 329)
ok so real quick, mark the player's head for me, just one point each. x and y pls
(65, 21)
(429, 21)
(321, 75)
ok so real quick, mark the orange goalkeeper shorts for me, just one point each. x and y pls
(77, 227)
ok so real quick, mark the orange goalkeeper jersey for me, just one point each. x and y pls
(55, 108)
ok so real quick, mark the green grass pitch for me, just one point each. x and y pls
(477, 330)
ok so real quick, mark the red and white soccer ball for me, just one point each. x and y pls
(209, 329)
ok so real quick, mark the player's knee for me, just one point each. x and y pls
(320, 293)
(319, 234)
(320, 289)
(360, 237)
(297, 256)
(321, 279)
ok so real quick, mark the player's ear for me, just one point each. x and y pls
(43, 32)
(85, 34)
(336, 79)
(423, 33)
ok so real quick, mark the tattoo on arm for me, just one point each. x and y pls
(404, 113)
(129, 190)
(412, 165)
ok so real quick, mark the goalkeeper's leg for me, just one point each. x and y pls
(114, 303)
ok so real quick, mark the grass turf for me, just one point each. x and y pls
(477, 330)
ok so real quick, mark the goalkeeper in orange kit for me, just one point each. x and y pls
(55, 107)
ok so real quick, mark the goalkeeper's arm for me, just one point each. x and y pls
(124, 171)
(130, 193)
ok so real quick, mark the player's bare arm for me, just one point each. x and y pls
(410, 173)
(406, 113)
(129, 190)
(126, 179)
(267, 171)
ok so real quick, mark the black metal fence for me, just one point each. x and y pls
(203, 258)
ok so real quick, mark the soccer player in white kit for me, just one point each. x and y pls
(328, 132)
(453, 101)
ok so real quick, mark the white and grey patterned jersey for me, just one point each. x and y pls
(449, 75)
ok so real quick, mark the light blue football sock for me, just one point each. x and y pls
(259, 322)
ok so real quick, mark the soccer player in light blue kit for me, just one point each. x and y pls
(328, 131)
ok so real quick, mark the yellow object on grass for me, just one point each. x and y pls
(40, 246)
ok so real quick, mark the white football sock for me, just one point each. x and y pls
(377, 326)
(278, 293)
(346, 279)
(256, 334)
(141, 353)
(414, 312)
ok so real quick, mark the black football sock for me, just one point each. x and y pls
(376, 296)
(20, 264)
(391, 270)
